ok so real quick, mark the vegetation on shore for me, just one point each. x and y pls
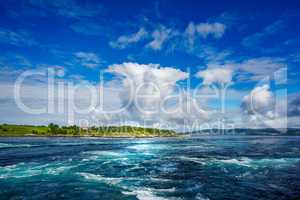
(68, 131)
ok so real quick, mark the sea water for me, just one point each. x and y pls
(236, 167)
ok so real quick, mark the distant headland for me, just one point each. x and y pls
(8, 130)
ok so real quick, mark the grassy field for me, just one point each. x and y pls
(69, 131)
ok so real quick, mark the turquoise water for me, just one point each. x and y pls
(156, 169)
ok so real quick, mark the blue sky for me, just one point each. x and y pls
(251, 39)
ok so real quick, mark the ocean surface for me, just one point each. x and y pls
(215, 167)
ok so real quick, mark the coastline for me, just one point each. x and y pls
(53, 130)
(88, 136)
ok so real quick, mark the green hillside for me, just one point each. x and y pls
(109, 131)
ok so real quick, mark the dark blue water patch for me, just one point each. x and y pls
(193, 168)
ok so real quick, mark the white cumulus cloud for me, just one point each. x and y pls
(215, 75)
(262, 109)
(260, 100)
(147, 89)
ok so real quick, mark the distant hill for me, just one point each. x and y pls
(129, 131)
(244, 131)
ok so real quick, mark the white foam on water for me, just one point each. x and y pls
(199, 196)
(246, 174)
(90, 158)
(135, 167)
(19, 170)
(10, 167)
(141, 193)
(140, 147)
(103, 153)
(95, 155)
(95, 177)
(275, 162)
(107, 157)
(24, 170)
(145, 194)
(257, 163)
(165, 190)
(242, 161)
(145, 147)
(193, 159)
(57, 170)
(160, 179)
(198, 147)
(19, 173)
(9, 145)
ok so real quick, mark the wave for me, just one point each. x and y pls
(199, 196)
(6, 145)
(94, 177)
(277, 162)
(24, 170)
(155, 179)
(242, 161)
(145, 147)
(245, 161)
(143, 193)
(257, 163)
(105, 156)
(202, 161)
(18, 171)
(103, 153)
